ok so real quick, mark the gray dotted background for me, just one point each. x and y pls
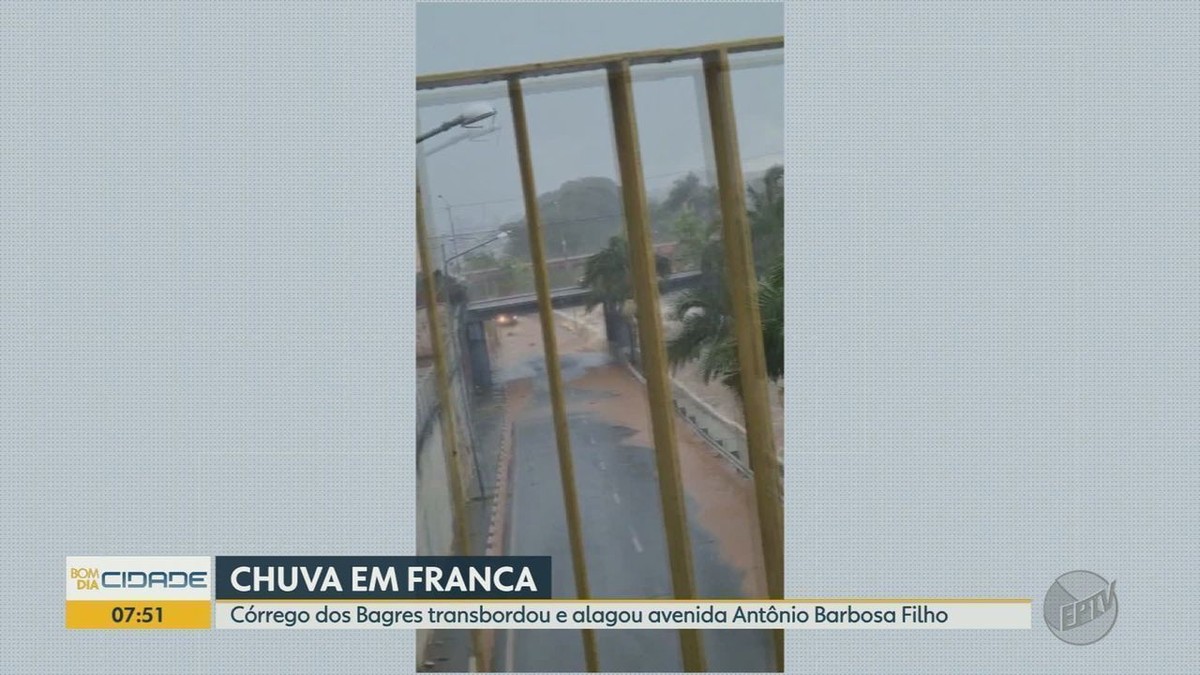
(995, 272)
(205, 326)
(994, 275)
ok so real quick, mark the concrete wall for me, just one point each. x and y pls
(424, 341)
(435, 525)
(424, 344)
(432, 477)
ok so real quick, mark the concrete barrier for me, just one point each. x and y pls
(725, 435)
(722, 434)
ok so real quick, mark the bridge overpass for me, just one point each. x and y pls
(474, 337)
(483, 310)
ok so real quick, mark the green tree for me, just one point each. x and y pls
(689, 194)
(691, 237)
(580, 215)
(766, 219)
(706, 333)
(703, 336)
(607, 276)
(479, 260)
(705, 316)
(771, 312)
(449, 289)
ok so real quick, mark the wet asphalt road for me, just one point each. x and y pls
(623, 536)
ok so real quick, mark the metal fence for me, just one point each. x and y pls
(651, 356)
(428, 404)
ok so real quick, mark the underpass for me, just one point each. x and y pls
(622, 524)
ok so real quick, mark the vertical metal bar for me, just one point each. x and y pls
(537, 250)
(653, 352)
(743, 290)
(462, 544)
(705, 126)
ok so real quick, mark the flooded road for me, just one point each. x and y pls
(617, 484)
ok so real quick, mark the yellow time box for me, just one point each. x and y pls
(139, 614)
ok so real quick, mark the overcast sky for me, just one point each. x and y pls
(571, 128)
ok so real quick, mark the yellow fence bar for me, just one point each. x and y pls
(462, 538)
(537, 250)
(743, 290)
(654, 353)
(590, 79)
(567, 66)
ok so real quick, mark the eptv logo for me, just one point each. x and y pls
(1081, 607)
(92, 579)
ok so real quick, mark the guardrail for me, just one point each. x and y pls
(722, 434)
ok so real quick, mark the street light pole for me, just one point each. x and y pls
(464, 120)
(450, 439)
(468, 136)
(450, 215)
(498, 237)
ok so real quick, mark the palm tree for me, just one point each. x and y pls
(704, 313)
(771, 311)
(766, 219)
(706, 333)
(606, 275)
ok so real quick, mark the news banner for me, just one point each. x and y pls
(380, 592)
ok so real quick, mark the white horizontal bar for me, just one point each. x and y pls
(625, 614)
